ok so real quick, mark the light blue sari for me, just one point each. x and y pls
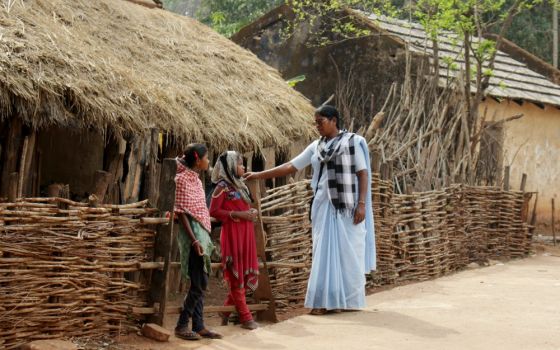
(342, 252)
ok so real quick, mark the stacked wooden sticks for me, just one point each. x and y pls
(63, 265)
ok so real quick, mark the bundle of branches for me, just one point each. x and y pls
(423, 131)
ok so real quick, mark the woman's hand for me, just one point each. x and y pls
(249, 215)
(198, 248)
(359, 213)
(254, 214)
(252, 175)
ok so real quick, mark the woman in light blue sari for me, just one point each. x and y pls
(341, 214)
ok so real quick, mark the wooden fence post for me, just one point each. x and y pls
(523, 182)
(159, 285)
(533, 221)
(12, 145)
(553, 228)
(27, 157)
(102, 180)
(114, 156)
(264, 290)
(526, 199)
(150, 190)
(12, 187)
(506, 178)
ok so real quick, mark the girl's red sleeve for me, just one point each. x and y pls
(216, 205)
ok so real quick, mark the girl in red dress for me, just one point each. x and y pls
(231, 204)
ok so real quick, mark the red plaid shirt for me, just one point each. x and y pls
(189, 195)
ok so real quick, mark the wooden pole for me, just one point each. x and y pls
(101, 184)
(12, 187)
(552, 224)
(506, 178)
(159, 285)
(523, 182)
(534, 214)
(12, 146)
(554, 36)
(526, 199)
(28, 174)
(113, 164)
(149, 187)
(264, 290)
(135, 161)
(22, 166)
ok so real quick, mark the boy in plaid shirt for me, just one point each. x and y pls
(195, 245)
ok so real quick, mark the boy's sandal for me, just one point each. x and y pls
(206, 333)
(318, 312)
(186, 335)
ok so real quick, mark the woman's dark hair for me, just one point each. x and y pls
(193, 152)
(329, 112)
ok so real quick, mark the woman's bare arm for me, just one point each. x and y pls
(279, 171)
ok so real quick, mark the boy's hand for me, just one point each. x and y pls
(198, 248)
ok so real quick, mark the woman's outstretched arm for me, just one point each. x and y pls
(279, 171)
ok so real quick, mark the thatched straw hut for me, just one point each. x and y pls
(96, 85)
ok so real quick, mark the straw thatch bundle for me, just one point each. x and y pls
(115, 64)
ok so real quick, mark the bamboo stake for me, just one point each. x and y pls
(552, 224)
(523, 182)
(22, 167)
(506, 178)
(534, 214)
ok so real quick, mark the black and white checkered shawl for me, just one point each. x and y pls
(341, 170)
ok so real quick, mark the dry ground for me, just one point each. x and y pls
(504, 306)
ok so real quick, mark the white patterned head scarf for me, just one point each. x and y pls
(226, 170)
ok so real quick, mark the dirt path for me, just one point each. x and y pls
(505, 306)
(511, 306)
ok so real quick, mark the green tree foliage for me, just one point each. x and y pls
(532, 30)
(228, 16)
(531, 27)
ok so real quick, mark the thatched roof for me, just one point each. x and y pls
(511, 78)
(115, 64)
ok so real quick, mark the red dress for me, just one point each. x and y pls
(239, 251)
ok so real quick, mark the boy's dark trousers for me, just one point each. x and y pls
(194, 302)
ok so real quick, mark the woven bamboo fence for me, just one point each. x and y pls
(64, 268)
(285, 212)
(68, 269)
(419, 236)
